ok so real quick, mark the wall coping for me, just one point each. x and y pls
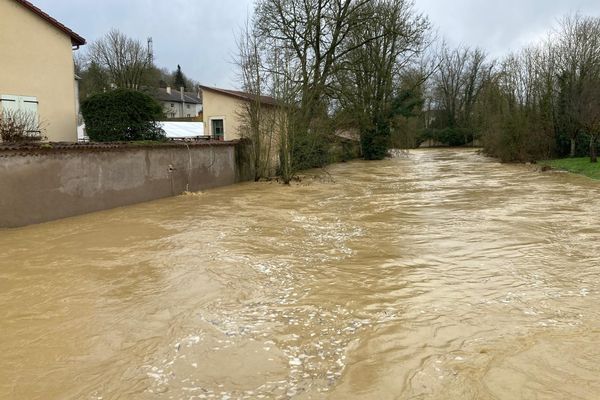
(43, 148)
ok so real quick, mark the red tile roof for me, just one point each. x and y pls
(76, 40)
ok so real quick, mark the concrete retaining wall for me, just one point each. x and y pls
(46, 184)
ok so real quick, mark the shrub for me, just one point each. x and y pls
(310, 150)
(122, 115)
(375, 143)
(375, 139)
(19, 126)
(344, 150)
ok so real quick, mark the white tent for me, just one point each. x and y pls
(81, 135)
(182, 130)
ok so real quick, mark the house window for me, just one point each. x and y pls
(188, 106)
(217, 128)
(189, 115)
(172, 105)
(22, 107)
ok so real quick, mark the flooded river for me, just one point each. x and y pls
(437, 275)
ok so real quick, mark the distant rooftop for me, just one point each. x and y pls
(76, 40)
(175, 96)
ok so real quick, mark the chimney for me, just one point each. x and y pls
(182, 90)
(168, 89)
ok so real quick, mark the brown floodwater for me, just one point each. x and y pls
(440, 274)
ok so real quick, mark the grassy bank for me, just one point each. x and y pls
(581, 166)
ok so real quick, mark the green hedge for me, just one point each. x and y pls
(122, 115)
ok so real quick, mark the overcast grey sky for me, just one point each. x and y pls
(200, 34)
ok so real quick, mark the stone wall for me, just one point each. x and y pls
(45, 183)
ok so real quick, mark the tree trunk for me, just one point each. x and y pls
(593, 157)
(573, 143)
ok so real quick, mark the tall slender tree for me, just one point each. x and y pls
(179, 80)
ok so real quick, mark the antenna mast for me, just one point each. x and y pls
(150, 51)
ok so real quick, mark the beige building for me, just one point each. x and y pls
(226, 118)
(223, 111)
(36, 68)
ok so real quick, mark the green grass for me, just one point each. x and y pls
(581, 166)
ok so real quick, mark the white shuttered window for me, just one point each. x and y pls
(20, 104)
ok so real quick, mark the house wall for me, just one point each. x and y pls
(194, 109)
(36, 60)
(48, 184)
(220, 106)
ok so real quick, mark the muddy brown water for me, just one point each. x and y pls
(437, 275)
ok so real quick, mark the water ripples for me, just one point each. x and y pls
(436, 275)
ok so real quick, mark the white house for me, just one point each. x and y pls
(178, 103)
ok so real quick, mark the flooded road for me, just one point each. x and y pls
(438, 275)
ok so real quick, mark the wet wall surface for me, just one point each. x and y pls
(40, 185)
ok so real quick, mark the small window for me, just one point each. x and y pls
(189, 115)
(172, 105)
(218, 129)
(188, 106)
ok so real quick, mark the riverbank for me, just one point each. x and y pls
(580, 166)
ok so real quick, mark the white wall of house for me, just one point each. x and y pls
(180, 110)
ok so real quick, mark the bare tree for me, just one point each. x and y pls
(450, 82)
(314, 31)
(368, 80)
(126, 60)
(299, 44)
(461, 75)
(532, 103)
(516, 110)
(268, 67)
(578, 55)
(289, 118)
(257, 116)
(587, 113)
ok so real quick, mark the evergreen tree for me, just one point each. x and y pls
(179, 78)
